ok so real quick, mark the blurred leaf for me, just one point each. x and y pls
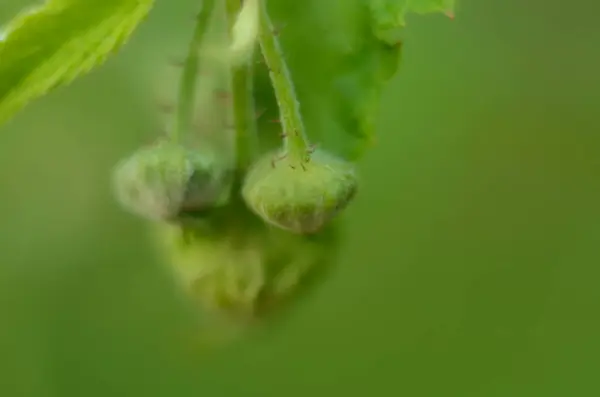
(389, 15)
(354, 50)
(51, 45)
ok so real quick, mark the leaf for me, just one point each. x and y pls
(340, 53)
(389, 16)
(51, 45)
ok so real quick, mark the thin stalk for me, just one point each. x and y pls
(187, 85)
(295, 141)
(244, 117)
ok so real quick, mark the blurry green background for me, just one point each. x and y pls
(471, 266)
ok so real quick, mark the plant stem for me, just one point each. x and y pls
(295, 140)
(187, 86)
(244, 117)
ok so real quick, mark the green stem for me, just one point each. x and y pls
(187, 86)
(244, 117)
(295, 140)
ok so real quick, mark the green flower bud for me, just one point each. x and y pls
(243, 271)
(166, 181)
(300, 197)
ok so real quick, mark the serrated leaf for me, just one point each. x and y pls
(51, 45)
(354, 50)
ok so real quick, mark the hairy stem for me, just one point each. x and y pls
(187, 86)
(243, 101)
(295, 140)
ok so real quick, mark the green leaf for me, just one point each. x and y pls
(341, 53)
(51, 45)
(389, 16)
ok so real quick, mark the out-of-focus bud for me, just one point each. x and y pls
(165, 181)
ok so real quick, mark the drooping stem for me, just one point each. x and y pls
(244, 117)
(187, 85)
(295, 140)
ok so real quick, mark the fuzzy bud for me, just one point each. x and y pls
(300, 198)
(165, 181)
(244, 271)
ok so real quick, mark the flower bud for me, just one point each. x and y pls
(166, 180)
(300, 197)
(249, 273)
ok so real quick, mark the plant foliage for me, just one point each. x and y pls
(242, 239)
(341, 53)
(50, 45)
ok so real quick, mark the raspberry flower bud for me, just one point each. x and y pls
(165, 181)
(300, 197)
(242, 271)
